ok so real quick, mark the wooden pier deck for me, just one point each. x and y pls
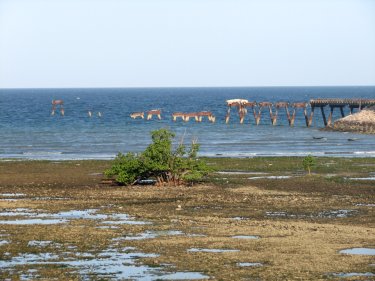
(355, 103)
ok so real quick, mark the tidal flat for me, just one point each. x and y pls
(59, 221)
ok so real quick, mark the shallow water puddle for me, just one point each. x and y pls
(208, 208)
(31, 274)
(203, 250)
(353, 274)
(365, 205)
(108, 227)
(151, 235)
(240, 218)
(12, 194)
(90, 214)
(337, 213)
(36, 218)
(42, 244)
(49, 198)
(249, 264)
(3, 242)
(17, 212)
(271, 177)
(245, 237)
(33, 221)
(277, 214)
(183, 276)
(325, 214)
(63, 217)
(240, 173)
(362, 179)
(132, 222)
(110, 264)
(196, 235)
(359, 251)
(141, 236)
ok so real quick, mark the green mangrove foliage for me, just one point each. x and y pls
(161, 162)
(308, 163)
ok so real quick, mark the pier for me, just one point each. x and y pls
(291, 109)
(338, 103)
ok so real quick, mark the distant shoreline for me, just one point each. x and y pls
(186, 87)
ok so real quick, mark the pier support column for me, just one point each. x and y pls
(342, 111)
(307, 121)
(324, 116)
(242, 117)
(273, 115)
(290, 121)
(258, 116)
(227, 116)
(329, 123)
(311, 116)
(292, 118)
(351, 110)
(242, 112)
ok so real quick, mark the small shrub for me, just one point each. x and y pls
(125, 168)
(308, 163)
(161, 162)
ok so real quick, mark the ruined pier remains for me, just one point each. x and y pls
(55, 105)
(338, 103)
(136, 115)
(291, 109)
(242, 106)
(198, 116)
(153, 112)
(149, 114)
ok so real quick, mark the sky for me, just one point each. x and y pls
(186, 43)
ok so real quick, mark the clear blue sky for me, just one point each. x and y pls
(184, 43)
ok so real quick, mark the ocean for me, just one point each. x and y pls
(28, 131)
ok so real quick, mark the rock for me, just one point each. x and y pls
(360, 122)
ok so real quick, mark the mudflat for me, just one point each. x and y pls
(252, 219)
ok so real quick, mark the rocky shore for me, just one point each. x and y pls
(361, 122)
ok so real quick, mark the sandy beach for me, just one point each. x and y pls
(255, 219)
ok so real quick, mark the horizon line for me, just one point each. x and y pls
(181, 87)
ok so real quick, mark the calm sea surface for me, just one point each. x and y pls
(28, 131)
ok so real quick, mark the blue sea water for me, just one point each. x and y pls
(28, 131)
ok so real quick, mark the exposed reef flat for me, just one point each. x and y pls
(62, 223)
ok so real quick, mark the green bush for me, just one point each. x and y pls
(308, 163)
(161, 162)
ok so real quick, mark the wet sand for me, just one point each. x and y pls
(283, 225)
